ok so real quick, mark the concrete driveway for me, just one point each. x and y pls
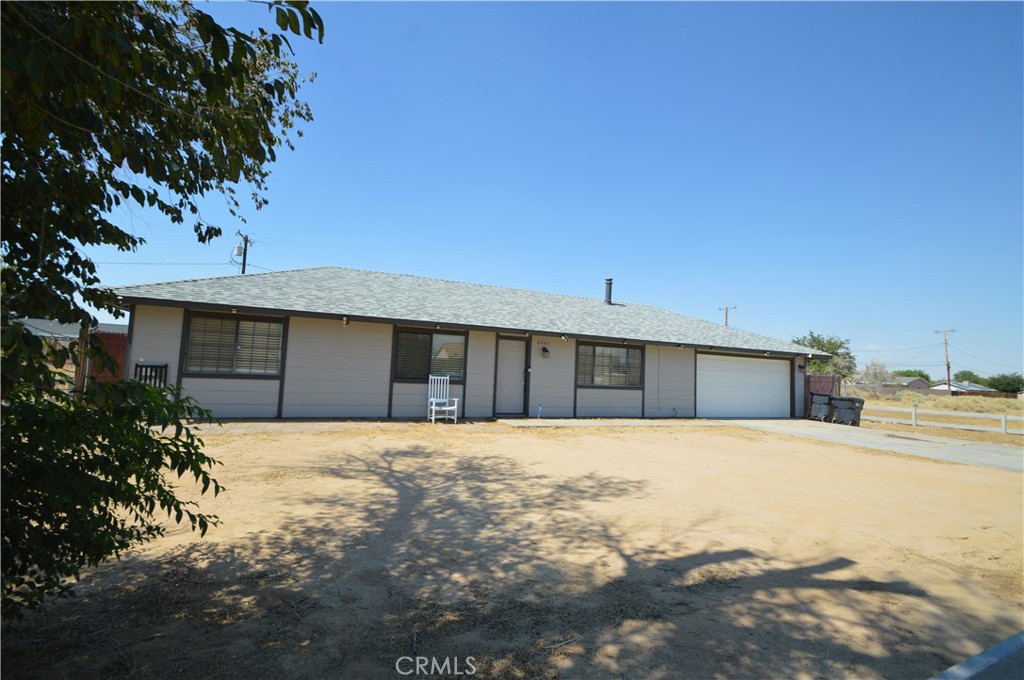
(1000, 456)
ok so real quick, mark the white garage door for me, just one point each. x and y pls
(737, 387)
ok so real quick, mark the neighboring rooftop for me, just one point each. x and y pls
(375, 296)
(964, 386)
(45, 328)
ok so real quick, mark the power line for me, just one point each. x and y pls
(987, 361)
(905, 349)
(173, 264)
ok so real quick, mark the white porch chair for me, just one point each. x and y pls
(439, 404)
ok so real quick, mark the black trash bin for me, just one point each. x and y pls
(847, 410)
(821, 407)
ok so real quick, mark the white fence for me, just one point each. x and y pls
(914, 412)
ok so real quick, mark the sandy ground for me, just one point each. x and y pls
(670, 552)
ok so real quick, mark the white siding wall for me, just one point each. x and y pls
(479, 375)
(410, 400)
(668, 382)
(552, 380)
(337, 371)
(799, 384)
(235, 397)
(156, 338)
(598, 403)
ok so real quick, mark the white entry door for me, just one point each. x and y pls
(510, 381)
(738, 387)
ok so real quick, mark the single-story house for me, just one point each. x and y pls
(332, 342)
(898, 383)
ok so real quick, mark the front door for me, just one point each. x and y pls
(510, 378)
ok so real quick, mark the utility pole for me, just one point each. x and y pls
(246, 241)
(945, 342)
(726, 310)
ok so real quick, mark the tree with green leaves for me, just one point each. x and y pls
(1006, 382)
(913, 373)
(969, 376)
(103, 104)
(842, 363)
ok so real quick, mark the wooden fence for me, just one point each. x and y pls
(914, 412)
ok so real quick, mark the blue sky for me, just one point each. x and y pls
(852, 169)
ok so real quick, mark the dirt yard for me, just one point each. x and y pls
(669, 552)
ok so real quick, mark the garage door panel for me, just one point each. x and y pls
(741, 387)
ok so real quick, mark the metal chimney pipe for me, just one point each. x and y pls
(607, 291)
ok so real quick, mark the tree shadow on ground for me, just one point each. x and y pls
(437, 555)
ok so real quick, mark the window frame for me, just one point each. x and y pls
(611, 345)
(236, 318)
(431, 332)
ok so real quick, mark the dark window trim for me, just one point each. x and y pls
(187, 326)
(125, 372)
(610, 387)
(432, 332)
(576, 359)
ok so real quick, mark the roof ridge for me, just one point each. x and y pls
(226, 276)
(471, 283)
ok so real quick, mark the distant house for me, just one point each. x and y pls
(45, 328)
(964, 387)
(902, 382)
(333, 342)
(114, 335)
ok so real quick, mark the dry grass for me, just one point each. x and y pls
(928, 402)
(908, 398)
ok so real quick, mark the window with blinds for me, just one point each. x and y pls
(609, 366)
(233, 346)
(419, 354)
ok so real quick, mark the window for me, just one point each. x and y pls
(609, 366)
(233, 346)
(419, 354)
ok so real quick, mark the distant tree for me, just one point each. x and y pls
(151, 104)
(1007, 382)
(875, 374)
(913, 373)
(970, 376)
(842, 364)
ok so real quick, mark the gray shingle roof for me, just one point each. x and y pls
(413, 299)
(51, 329)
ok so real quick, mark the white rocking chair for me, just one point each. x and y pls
(439, 404)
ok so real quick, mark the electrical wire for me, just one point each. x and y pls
(174, 264)
(905, 349)
(987, 361)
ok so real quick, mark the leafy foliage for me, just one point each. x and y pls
(106, 104)
(1007, 382)
(913, 373)
(969, 376)
(83, 477)
(842, 364)
(109, 103)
